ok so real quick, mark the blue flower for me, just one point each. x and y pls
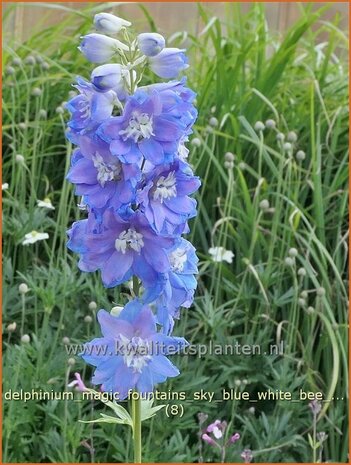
(180, 285)
(109, 24)
(169, 63)
(111, 77)
(131, 354)
(89, 108)
(100, 177)
(164, 199)
(151, 126)
(99, 48)
(120, 248)
(151, 43)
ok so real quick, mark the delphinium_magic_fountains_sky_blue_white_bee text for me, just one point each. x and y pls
(129, 167)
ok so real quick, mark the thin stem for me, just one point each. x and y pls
(314, 438)
(136, 403)
(136, 408)
(23, 298)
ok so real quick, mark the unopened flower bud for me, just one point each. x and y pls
(237, 382)
(10, 70)
(11, 328)
(109, 76)
(304, 295)
(92, 306)
(234, 438)
(196, 142)
(287, 146)
(289, 261)
(280, 136)
(65, 340)
(293, 252)
(310, 310)
(37, 92)
(25, 339)
(151, 43)
(23, 288)
(45, 65)
(71, 362)
(264, 204)
(315, 407)
(42, 113)
(60, 110)
(300, 155)
(229, 165)
(259, 126)
(99, 48)
(292, 136)
(30, 60)
(88, 319)
(19, 158)
(302, 302)
(22, 125)
(202, 417)
(213, 121)
(320, 292)
(16, 61)
(301, 272)
(109, 24)
(229, 156)
(208, 439)
(270, 124)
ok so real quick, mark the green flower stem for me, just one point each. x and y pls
(136, 404)
(136, 415)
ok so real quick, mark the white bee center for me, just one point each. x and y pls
(129, 239)
(177, 259)
(106, 171)
(136, 352)
(139, 127)
(165, 188)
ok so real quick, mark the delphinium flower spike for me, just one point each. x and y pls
(130, 170)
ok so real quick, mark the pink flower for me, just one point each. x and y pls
(208, 439)
(217, 428)
(234, 438)
(78, 383)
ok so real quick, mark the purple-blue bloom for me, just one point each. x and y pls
(164, 199)
(89, 108)
(99, 48)
(111, 77)
(131, 354)
(169, 63)
(130, 169)
(179, 288)
(151, 43)
(100, 177)
(120, 248)
(151, 126)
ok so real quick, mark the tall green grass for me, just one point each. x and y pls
(242, 73)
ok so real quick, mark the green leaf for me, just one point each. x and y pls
(107, 419)
(147, 411)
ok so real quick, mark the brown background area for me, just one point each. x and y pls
(26, 19)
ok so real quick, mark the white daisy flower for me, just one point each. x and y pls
(33, 237)
(46, 203)
(220, 254)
